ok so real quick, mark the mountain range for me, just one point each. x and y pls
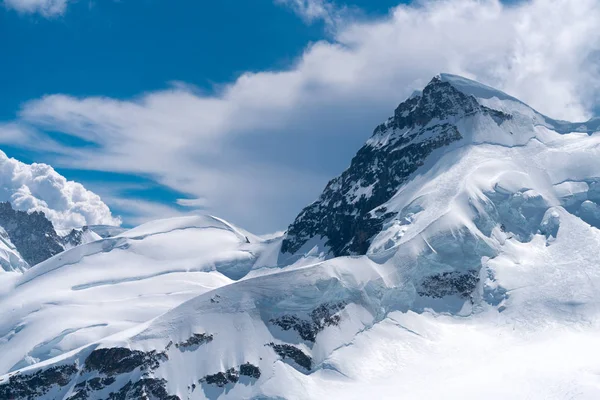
(454, 258)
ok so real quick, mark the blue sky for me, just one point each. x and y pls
(247, 108)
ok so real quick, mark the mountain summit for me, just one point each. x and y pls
(455, 254)
(445, 115)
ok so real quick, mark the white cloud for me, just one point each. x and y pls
(312, 10)
(143, 211)
(38, 187)
(221, 147)
(47, 8)
(192, 203)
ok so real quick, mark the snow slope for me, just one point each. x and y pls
(10, 259)
(481, 280)
(94, 290)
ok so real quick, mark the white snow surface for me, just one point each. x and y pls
(38, 187)
(100, 288)
(516, 203)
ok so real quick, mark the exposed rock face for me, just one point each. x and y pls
(321, 317)
(32, 234)
(144, 389)
(450, 283)
(286, 351)
(104, 370)
(196, 340)
(346, 214)
(35, 238)
(75, 237)
(232, 375)
(37, 385)
(119, 360)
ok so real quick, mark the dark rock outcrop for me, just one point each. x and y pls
(144, 389)
(119, 360)
(196, 340)
(450, 283)
(286, 351)
(321, 317)
(32, 234)
(75, 237)
(232, 375)
(38, 384)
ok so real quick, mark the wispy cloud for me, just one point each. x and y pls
(313, 10)
(192, 203)
(253, 148)
(141, 211)
(48, 8)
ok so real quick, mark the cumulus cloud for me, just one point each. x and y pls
(47, 8)
(38, 187)
(257, 149)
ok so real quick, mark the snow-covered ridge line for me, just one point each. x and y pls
(497, 99)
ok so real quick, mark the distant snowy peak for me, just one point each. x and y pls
(77, 237)
(33, 237)
(31, 232)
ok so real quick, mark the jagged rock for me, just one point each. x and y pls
(320, 317)
(144, 389)
(232, 375)
(250, 370)
(74, 238)
(450, 283)
(36, 385)
(32, 234)
(288, 351)
(118, 360)
(196, 340)
(84, 389)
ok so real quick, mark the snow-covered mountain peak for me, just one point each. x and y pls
(474, 88)
(500, 101)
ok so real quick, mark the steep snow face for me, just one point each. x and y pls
(10, 259)
(38, 187)
(111, 285)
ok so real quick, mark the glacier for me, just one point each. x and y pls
(454, 258)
